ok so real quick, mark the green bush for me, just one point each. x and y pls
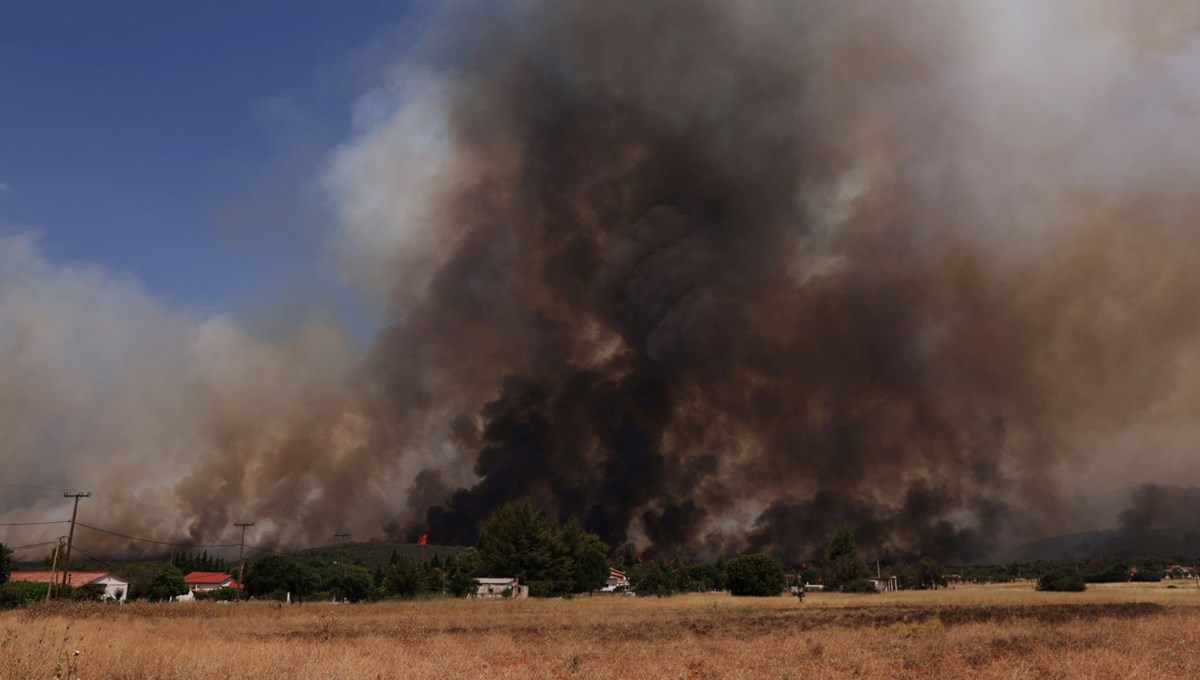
(859, 585)
(5, 563)
(462, 584)
(755, 576)
(20, 593)
(1147, 575)
(1061, 580)
(217, 595)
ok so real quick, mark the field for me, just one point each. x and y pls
(1111, 631)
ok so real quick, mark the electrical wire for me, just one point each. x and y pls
(151, 540)
(75, 548)
(30, 524)
(266, 550)
(32, 545)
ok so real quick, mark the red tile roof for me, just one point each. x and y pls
(77, 579)
(206, 578)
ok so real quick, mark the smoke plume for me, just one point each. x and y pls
(711, 276)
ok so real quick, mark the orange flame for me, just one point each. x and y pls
(423, 539)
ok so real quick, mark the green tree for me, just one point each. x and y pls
(589, 556)
(929, 574)
(844, 569)
(138, 575)
(461, 584)
(755, 575)
(5, 564)
(707, 577)
(649, 578)
(403, 579)
(358, 586)
(520, 541)
(167, 584)
(462, 570)
(276, 577)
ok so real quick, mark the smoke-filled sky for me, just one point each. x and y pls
(711, 276)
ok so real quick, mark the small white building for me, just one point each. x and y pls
(617, 581)
(495, 588)
(884, 585)
(114, 588)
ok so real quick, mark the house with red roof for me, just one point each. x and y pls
(114, 588)
(203, 581)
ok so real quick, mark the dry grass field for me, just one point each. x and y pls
(1111, 631)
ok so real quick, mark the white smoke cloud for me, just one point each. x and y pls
(105, 388)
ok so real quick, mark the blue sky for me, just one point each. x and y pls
(183, 142)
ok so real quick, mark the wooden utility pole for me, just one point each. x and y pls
(242, 556)
(53, 567)
(71, 534)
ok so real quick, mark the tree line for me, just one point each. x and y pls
(552, 559)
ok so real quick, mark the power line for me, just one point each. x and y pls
(266, 550)
(32, 486)
(151, 540)
(30, 524)
(32, 545)
(102, 498)
(96, 559)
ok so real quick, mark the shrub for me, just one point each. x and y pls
(20, 593)
(1061, 580)
(5, 563)
(218, 595)
(167, 584)
(462, 584)
(755, 576)
(1147, 575)
(859, 585)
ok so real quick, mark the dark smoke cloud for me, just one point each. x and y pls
(701, 259)
(1159, 520)
(711, 276)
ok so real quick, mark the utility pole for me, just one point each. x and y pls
(242, 556)
(342, 584)
(71, 533)
(54, 566)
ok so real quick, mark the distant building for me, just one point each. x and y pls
(1178, 571)
(203, 581)
(616, 581)
(884, 585)
(114, 588)
(493, 588)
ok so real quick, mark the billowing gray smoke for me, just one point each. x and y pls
(1160, 520)
(716, 276)
(721, 275)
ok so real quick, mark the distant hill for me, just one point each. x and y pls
(1175, 541)
(372, 555)
(1081, 545)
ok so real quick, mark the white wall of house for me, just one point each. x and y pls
(114, 588)
(204, 587)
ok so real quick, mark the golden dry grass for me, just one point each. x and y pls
(1120, 631)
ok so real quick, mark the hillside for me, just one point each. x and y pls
(372, 554)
